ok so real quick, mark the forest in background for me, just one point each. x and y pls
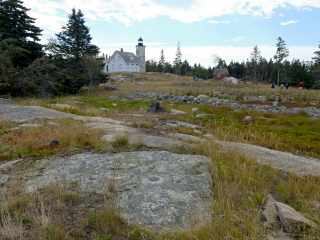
(69, 61)
(255, 69)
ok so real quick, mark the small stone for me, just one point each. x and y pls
(176, 112)
(247, 119)
(105, 109)
(194, 109)
(205, 115)
(113, 97)
(113, 104)
(153, 179)
(54, 143)
(155, 107)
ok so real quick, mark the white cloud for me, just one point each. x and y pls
(289, 22)
(50, 22)
(236, 39)
(217, 22)
(307, 9)
(128, 11)
(281, 15)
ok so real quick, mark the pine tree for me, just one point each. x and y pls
(162, 61)
(281, 54)
(255, 56)
(74, 39)
(16, 24)
(178, 60)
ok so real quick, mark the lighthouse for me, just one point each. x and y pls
(141, 54)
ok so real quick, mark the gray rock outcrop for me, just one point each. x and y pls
(158, 189)
(4, 101)
(292, 220)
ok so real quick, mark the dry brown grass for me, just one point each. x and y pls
(35, 140)
(240, 186)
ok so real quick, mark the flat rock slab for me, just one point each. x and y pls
(286, 162)
(22, 114)
(186, 137)
(157, 189)
(153, 141)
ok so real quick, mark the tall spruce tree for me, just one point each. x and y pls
(281, 54)
(16, 24)
(255, 54)
(178, 60)
(73, 41)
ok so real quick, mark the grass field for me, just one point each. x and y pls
(240, 185)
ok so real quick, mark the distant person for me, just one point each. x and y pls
(287, 86)
(301, 85)
(282, 86)
(272, 85)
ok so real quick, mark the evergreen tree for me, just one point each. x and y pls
(281, 54)
(16, 24)
(255, 56)
(316, 69)
(73, 42)
(178, 60)
(162, 61)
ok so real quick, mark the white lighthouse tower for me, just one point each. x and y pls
(141, 54)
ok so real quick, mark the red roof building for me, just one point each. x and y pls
(220, 73)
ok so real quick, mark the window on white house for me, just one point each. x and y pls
(132, 66)
(127, 65)
(119, 58)
(120, 66)
(112, 66)
(114, 59)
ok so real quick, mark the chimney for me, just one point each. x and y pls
(121, 49)
(106, 56)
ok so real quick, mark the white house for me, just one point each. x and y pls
(121, 61)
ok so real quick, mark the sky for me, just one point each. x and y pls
(228, 29)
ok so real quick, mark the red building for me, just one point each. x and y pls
(220, 73)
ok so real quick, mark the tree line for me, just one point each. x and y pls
(28, 68)
(257, 68)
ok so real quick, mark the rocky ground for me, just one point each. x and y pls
(155, 188)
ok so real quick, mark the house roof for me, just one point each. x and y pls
(220, 71)
(128, 57)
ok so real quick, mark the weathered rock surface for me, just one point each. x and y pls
(4, 178)
(4, 101)
(186, 137)
(286, 162)
(8, 165)
(291, 219)
(269, 213)
(22, 114)
(158, 189)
